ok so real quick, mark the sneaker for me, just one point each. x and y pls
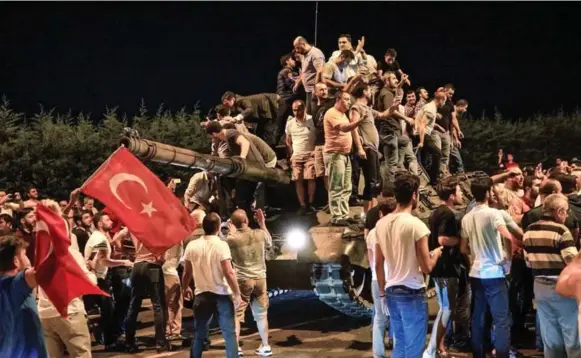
(240, 352)
(263, 351)
(302, 211)
(311, 208)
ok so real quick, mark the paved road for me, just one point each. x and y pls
(300, 327)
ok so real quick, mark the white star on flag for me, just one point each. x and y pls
(148, 209)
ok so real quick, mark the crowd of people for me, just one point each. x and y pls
(339, 117)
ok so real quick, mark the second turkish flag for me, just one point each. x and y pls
(140, 200)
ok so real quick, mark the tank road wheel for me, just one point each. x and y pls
(345, 288)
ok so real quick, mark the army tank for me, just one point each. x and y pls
(307, 252)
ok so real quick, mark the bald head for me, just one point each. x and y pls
(198, 216)
(556, 206)
(239, 218)
(301, 45)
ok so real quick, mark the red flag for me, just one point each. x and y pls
(141, 201)
(57, 272)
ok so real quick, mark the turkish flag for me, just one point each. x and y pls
(141, 201)
(57, 272)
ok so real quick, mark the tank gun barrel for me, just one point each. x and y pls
(181, 157)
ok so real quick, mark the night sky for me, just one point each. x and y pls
(521, 57)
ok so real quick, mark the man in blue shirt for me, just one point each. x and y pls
(21, 333)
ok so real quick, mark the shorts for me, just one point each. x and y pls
(255, 291)
(303, 166)
(319, 162)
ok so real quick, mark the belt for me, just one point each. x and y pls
(407, 289)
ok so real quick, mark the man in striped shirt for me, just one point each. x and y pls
(549, 248)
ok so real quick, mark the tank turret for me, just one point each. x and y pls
(232, 167)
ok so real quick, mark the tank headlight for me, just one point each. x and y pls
(296, 238)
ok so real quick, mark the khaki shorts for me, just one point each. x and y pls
(303, 166)
(255, 291)
(319, 162)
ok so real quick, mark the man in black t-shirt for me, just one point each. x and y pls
(444, 121)
(372, 216)
(445, 231)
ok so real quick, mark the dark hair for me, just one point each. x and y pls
(97, 218)
(550, 187)
(461, 103)
(568, 183)
(285, 58)
(447, 187)
(9, 248)
(7, 219)
(479, 187)
(528, 181)
(339, 95)
(449, 86)
(347, 36)
(390, 52)
(387, 206)
(359, 92)
(211, 224)
(406, 185)
(79, 214)
(529, 170)
(347, 55)
(30, 188)
(228, 95)
(213, 127)
(419, 89)
(301, 103)
(222, 110)
(410, 91)
(22, 213)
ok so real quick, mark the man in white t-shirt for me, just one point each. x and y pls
(402, 243)
(98, 257)
(380, 321)
(300, 142)
(486, 238)
(209, 262)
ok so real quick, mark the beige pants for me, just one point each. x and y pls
(71, 332)
(174, 302)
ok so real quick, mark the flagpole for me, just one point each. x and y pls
(316, 21)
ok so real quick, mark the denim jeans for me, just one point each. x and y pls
(406, 155)
(338, 167)
(456, 156)
(207, 304)
(147, 278)
(380, 323)
(447, 292)
(408, 311)
(558, 317)
(492, 292)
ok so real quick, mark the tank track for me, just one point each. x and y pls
(335, 289)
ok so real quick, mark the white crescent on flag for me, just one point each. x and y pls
(120, 178)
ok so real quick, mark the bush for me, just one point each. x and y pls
(57, 153)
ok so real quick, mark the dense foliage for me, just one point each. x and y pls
(58, 152)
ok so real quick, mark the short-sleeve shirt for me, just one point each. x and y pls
(206, 255)
(446, 111)
(397, 234)
(21, 333)
(336, 141)
(313, 60)
(429, 110)
(367, 130)
(443, 222)
(97, 242)
(480, 228)
(248, 252)
(302, 134)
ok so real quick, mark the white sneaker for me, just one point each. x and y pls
(264, 351)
